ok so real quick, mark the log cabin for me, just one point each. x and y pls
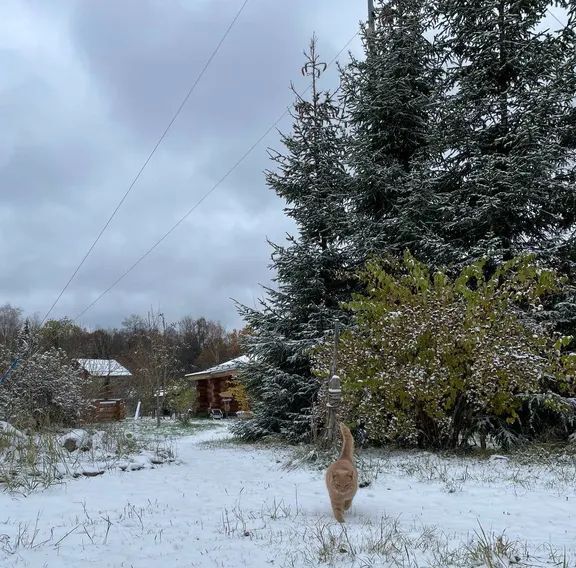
(212, 384)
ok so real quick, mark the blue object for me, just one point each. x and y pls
(8, 371)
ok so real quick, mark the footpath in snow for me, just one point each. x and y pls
(235, 505)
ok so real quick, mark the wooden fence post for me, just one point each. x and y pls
(334, 394)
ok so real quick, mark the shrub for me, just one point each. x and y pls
(181, 399)
(435, 362)
(238, 391)
(44, 389)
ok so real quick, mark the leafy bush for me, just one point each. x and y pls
(238, 391)
(44, 389)
(181, 399)
(435, 362)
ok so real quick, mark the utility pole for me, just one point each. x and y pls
(371, 17)
(160, 383)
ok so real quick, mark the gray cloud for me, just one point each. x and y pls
(86, 90)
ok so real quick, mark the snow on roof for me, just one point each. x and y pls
(104, 368)
(231, 365)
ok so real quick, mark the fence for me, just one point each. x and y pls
(107, 410)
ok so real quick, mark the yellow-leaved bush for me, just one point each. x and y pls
(437, 362)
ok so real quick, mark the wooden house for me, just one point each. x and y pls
(212, 387)
(108, 385)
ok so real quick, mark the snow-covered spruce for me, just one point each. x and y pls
(391, 98)
(312, 268)
(506, 182)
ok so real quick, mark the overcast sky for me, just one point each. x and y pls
(86, 89)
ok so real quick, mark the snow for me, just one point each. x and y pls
(104, 368)
(238, 505)
(231, 365)
(78, 438)
(11, 432)
(496, 457)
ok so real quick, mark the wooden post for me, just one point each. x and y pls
(371, 16)
(335, 350)
(160, 379)
(334, 394)
(158, 405)
(334, 397)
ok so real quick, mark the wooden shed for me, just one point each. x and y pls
(107, 386)
(212, 384)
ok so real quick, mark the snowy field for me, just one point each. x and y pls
(220, 504)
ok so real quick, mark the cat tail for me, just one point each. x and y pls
(347, 452)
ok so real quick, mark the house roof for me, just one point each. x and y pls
(104, 368)
(228, 366)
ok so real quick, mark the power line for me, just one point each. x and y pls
(225, 176)
(556, 18)
(207, 194)
(150, 155)
(18, 360)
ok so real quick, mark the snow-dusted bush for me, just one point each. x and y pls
(44, 388)
(181, 399)
(435, 361)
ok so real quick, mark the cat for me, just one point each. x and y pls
(342, 476)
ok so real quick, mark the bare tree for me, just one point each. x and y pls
(10, 324)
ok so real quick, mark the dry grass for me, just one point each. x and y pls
(386, 542)
(37, 461)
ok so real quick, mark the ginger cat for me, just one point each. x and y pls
(342, 477)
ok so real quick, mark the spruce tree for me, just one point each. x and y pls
(507, 178)
(391, 98)
(312, 273)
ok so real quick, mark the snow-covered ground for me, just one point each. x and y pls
(222, 505)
